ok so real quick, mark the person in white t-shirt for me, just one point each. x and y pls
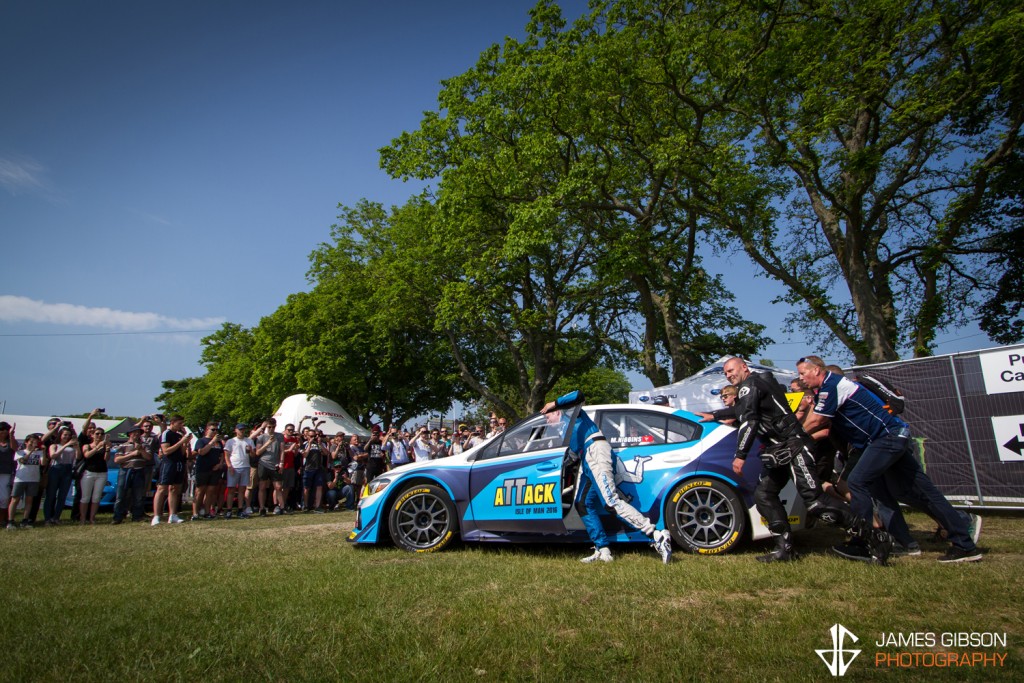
(421, 447)
(29, 460)
(237, 452)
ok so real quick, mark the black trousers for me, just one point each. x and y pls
(802, 471)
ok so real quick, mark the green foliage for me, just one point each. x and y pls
(562, 156)
(346, 339)
(864, 154)
(600, 385)
(887, 118)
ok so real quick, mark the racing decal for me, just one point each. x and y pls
(744, 391)
(822, 399)
(632, 440)
(793, 520)
(519, 492)
(509, 493)
(693, 484)
(624, 475)
(722, 548)
(409, 494)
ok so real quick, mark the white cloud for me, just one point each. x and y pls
(22, 309)
(23, 175)
(151, 217)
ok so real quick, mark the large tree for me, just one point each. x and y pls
(516, 306)
(564, 130)
(225, 391)
(885, 119)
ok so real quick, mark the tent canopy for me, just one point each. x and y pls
(31, 424)
(298, 406)
(699, 392)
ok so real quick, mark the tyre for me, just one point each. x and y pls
(422, 519)
(705, 516)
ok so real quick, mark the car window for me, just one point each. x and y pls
(535, 433)
(628, 428)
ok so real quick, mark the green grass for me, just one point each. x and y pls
(287, 599)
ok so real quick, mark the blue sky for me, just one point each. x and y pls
(168, 166)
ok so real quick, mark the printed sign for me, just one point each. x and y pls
(794, 398)
(1009, 432)
(1003, 370)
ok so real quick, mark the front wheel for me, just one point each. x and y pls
(422, 519)
(706, 516)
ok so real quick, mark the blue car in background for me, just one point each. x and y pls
(523, 486)
(109, 490)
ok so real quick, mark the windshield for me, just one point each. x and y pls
(535, 433)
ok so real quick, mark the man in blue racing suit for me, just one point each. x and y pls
(589, 444)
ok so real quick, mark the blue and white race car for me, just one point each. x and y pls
(523, 486)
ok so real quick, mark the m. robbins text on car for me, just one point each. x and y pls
(963, 649)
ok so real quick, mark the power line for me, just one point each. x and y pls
(101, 334)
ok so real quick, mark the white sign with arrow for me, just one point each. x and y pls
(1009, 431)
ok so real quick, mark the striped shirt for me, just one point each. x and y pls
(858, 416)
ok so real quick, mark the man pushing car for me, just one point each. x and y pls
(590, 445)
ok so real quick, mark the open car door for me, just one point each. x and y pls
(515, 483)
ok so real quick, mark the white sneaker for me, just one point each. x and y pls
(663, 544)
(156, 520)
(248, 510)
(600, 555)
(174, 519)
(974, 528)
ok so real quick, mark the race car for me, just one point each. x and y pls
(523, 485)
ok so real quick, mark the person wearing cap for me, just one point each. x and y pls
(237, 452)
(134, 459)
(459, 439)
(8, 449)
(63, 453)
(340, 487)
(590, 445)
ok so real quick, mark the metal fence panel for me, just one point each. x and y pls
(950, 410)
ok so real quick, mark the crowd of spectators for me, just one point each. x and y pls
(253, 470)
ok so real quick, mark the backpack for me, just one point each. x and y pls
(891, 397)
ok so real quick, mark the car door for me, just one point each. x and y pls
(649, 448)
(515, 481)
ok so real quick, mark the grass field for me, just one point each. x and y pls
(287, 599)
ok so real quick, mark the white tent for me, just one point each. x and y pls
(32, 424)
(699, 392)
(298, 406)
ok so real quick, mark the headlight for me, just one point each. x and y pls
(378, 485)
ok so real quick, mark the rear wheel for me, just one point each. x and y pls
(706, 516)
(422, 519)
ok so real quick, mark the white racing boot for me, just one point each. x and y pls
(600, 555)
